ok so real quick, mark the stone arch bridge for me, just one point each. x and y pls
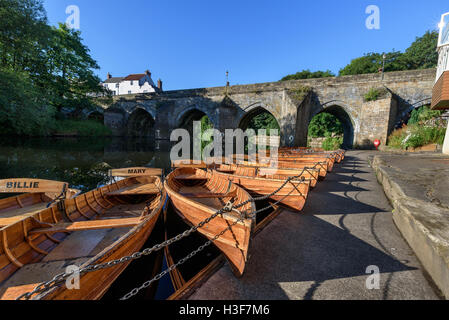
(292, 103)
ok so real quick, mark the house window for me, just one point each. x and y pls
(132, 82)
(129, 91)
(114, 93)
(116, 85)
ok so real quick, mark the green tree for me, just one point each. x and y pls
(50, 66)
(206, 124)
(23, 30)
(324, 124)
(23, 109)
(264, 120)
(71, 67)
(422, 53)
(372, 63)
(307, 74)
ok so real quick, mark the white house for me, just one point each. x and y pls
(133, 83)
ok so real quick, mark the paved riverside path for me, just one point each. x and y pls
(323, 252)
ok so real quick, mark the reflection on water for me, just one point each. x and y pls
(82, 162)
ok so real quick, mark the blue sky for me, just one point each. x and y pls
(191, 44)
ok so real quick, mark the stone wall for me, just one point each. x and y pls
(375, 122)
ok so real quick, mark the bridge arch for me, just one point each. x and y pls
(246, 118)
(347, 117)
(186, 117)
(141, 123)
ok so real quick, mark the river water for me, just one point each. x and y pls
(82, 162)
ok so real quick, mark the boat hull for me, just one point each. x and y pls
(292, 196)
(234, 242)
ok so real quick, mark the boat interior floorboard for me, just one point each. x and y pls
(77, 245)
(30, 275)
(124, 211)
(76, 249)
(211, 202)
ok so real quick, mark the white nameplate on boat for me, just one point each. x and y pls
(135, 172)
(30, 185)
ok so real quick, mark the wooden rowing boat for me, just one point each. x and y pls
(338, 154)
(35, 195)
(308, 161)
(320, 166)
(92, 228)
(310, 175)
(197, 194)
(293, 194)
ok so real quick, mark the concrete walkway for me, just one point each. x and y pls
(324, 252)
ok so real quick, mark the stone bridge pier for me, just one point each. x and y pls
(292, 103)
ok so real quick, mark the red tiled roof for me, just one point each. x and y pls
(135, 77)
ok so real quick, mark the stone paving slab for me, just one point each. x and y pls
(418, 187)
(324, 251)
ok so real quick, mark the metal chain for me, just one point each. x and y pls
(180, 262)
(58, 279)
(200, 248)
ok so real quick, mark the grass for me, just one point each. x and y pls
(81, 128)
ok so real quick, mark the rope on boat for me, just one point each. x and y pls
(60, 278)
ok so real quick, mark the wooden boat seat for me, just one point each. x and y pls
(12, 216)
(136, 189)
(88, 225)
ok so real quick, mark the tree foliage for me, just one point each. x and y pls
(23, 108)
(307, 74)
(44, 68)
(264, 120)
(372, 63)
(420, 55)
(324, 124)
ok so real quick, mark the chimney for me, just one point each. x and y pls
(148, 73)
(109, 76)
(159, 84)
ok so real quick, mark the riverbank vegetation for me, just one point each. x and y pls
(45, 71)
(84, 128)
(424, 127)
